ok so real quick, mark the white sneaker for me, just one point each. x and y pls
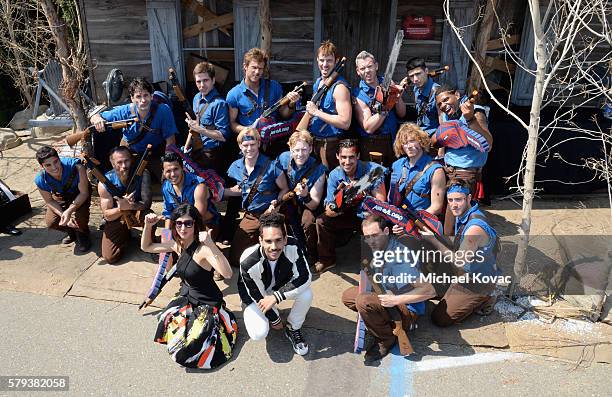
(297, 340)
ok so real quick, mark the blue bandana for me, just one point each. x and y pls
(458, 189)
(248, 138)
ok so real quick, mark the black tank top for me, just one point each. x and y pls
(198, 284)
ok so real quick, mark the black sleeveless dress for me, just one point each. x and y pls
(197, 328)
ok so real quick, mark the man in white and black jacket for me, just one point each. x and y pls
(270, 272)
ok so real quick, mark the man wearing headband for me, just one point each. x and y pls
(260, 182)
(474, 255)
(332, 224)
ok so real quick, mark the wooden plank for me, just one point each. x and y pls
(318, 32)
(291, 52)
(119, 42)
(246, 31)
(132, 30)
(293, 30)
(291, 72)
(202, 12)
(495, 44)
(208, 25)
(392, 24)
(165, 39)
(112, 9)
(499, 64)
(291, 8)
(480, 47)
(265, 25)
(112, 53)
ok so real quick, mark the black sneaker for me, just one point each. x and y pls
(83, 243)
(297, 340)
(70, 237)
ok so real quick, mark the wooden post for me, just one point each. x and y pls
(482, 38)
(265, 26)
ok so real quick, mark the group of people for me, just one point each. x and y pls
(291, 224)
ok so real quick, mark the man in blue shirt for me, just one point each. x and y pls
(416, 180)
(212, 120)
(401, 276)
(155, 124)
(260, 182)
(254, 94)
(424, 89)
(180, 187)
(116, 234)
(332, 224)
(306, 177)
(465, 162)
(474, 255)
(377, 129)
(332, 118)
(63, 185)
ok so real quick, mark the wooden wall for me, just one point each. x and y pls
(118, 36)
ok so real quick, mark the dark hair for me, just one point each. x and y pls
(170, 157)
(414, 63)
(382, 223)
(347, 144)
(118, 149)
(182, 210)
(140, 83)
(460, 182)
(446, 88)
(45, 152)
(274, 219)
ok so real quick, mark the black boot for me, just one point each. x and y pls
(83, 243)
(70, 237)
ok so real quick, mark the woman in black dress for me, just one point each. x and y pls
(196, 326)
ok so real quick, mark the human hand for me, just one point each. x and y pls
(278, 326)
(397, 229)
(98, 123)
(389, 300)
(467, 110)
(123, 203)
(293, 97)
(65, 217)
(311, 108)
(152, 219)
(266, 303)
(301, 190)
(205, 238)
(329, 212)
(191, 123)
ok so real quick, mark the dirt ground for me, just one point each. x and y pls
(36, 262)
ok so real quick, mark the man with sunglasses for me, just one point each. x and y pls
(116, 235)
(270, 272)
(332, 223)
(401, 276)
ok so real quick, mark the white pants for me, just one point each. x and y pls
(258, 325)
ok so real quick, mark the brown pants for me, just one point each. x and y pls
(116, 237)
(471, 176)
(247, 234)
(210, 159)
(375, 316)
(81, 216)
(377, 143)
(457, 304)
(325, 150)
(328, 228)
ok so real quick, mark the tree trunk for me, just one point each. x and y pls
(66, 55)
(532, 139)
(480, 49)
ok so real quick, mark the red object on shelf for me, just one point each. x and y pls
(418, 28)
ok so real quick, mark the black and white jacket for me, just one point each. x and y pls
(292, 275)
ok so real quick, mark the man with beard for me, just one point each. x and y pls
(155, 124)
(424, 89)
(63, 185)
(332, 224)
(474, 253)
(116, 235)
(212, 122)
(331, 120)
(377, 129)
(270, 272)
(465, 162)
(180, 187)
(260, 182)
(254, 94)
(400, 275)
(306, 177)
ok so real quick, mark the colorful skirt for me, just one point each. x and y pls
(197, 336)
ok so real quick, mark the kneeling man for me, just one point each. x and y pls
(270, 272)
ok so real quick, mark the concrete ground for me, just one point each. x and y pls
(75, 315)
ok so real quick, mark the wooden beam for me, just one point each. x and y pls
(499, 64)
(203, 12)
(496, 44)
(482, 38)
(208, 25)
(494, 86)
(265, 26)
